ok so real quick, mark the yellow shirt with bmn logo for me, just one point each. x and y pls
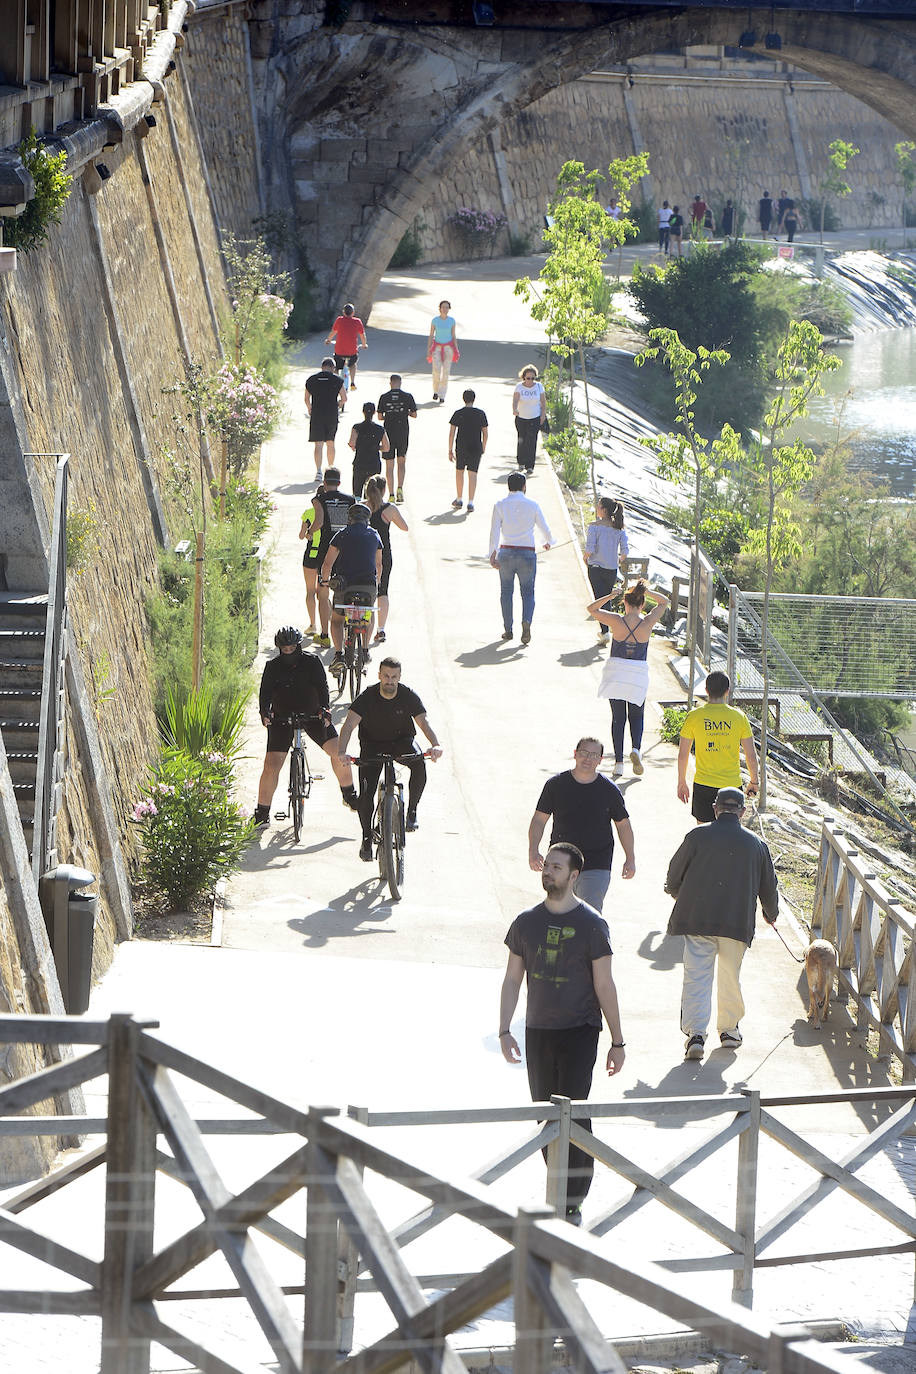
(717, 731)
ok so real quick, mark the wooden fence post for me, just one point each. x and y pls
(746, 1200)
(534, 1334)
(348, 1267)
(129, 1197)
(558, 1159)
(320, 1339)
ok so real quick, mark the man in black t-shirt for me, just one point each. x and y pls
(387, 715)
(562, 946)
(325, 398)
(396, 408)
(332, 507)
(467, 443)
(585, 810)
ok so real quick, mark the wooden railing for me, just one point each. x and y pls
(130, 1286)
(873, 935)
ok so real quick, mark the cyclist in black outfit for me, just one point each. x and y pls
(295, 683)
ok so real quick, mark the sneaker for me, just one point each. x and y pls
(365, 850)
(507, 634)
(352, 386)
(695, 1047)
(261, 815)
(637, 762)
(435, 395)
(349, 798)
(456, 504)
(470, 506)
(526, 631)
(411, 823)
(323, 641)
(379, 638)
(618, 769)
(312, 631)
(338, 664)
(442, 400)
(400, 494)
(574, 1216)
(602, 634)
(731, 1040)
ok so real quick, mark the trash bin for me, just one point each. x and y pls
(70, 919)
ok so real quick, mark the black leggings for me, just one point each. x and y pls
(527, 431)
(603, 581)
(369, 780)
(561, 1062)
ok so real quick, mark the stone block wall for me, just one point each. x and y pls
(721, 138)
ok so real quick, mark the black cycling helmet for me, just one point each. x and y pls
(358, 514)
(287, 635)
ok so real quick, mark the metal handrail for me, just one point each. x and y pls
(52, 674)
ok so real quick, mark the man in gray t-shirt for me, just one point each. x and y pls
(563, 947)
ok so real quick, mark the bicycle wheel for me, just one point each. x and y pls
(356, 666)
(296, 790)
(393, 842)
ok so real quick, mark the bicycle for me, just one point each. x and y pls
(357, 622)
(388, 830)
(300, 775)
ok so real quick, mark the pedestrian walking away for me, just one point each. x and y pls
(348, 335)
(728, 220)
(716, 877)
(442, 349)
(563, 949)
(295, 683)
(625, 679)
(467, 443)
(368, 441)
(325, 397)
(605, 544)
(586, 809)
(718, 733)
(529, 406)
(664, 220)
(383, 515)
(331, 507)
(396, 408)
(676, 230)
(513, 553)
(354, 560)
(791, 220)
(698, 209)
(782, 206)
(311, 532)
(386, 716)
(765, 213)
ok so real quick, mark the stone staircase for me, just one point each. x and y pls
(22, 646)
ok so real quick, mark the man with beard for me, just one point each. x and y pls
(563, 947)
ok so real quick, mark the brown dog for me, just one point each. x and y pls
(820, 969)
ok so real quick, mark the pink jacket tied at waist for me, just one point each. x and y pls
(441, 346)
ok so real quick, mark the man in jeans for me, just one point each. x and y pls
(513, 551)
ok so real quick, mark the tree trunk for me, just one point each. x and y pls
(588, 415)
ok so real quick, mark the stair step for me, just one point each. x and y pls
(22, 756)
(23, 603)
(24, 791)
(19, 694)
(8, 723)
(19, 635)
(19, 665)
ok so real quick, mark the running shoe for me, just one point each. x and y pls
(731, 1040)
(323, 641)
(365, 850)
(400, 494)
(435, 395)
(379, 638)
(261, 816)
(411, 823)
(618, 769)
(695, 1046)
(637, 762)
(456, 504)
(470, 506)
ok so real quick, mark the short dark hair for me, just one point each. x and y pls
(469, 396)
(590, 739)
(348, 309)
(573, 853)
(395, 377)
(327, 362)
(332, 475)
(717, 685)
(390, 662)
(516, 481)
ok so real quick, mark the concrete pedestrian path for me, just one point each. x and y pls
(322, 991)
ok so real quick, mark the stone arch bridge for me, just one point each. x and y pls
(361, 118)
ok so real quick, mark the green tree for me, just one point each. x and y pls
(906, 171)
(686, 451)
(624, 172)
(565, 295)
(780, 470)
(52, 187)
(834, 183)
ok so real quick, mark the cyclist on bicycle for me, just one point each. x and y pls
(387, 715)
(354, 560)
(295, 683)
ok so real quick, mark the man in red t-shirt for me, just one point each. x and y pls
(346, 332)
(698, 210)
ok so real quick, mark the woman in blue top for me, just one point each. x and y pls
(443, 349)
(605, 545)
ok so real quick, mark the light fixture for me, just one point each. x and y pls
(103, 171)
(150, 121)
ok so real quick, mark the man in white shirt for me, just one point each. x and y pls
(513, 551)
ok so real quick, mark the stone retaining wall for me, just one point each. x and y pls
(735, 138)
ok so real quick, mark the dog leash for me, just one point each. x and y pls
(799, 959)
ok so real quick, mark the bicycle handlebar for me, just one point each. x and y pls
(390, 758)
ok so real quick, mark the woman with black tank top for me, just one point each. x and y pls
(625, 680)
(368, 441)
(383, 516)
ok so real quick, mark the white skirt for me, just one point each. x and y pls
(625, 679)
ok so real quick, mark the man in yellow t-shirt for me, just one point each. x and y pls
(718, 733)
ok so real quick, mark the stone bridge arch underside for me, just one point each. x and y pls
(361, 123)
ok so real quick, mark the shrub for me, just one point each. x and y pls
(521, 243)
(52, 187)
(195, 727)
(478, 228)
(249, 504)
(673, 718)
(410, 250)
(811, 215)
(193, 832)
(82, 532)
(566, 452)
(558, 404)
(246, 410)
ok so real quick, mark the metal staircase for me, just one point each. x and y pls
(23, 618)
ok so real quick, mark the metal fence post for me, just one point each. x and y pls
(732, 636)
(320, 1339)
(746, 1200)
(129, 1197)
(558, 1159)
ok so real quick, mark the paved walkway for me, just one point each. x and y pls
(323, 991)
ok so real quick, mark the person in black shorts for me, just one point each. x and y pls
(295, 683)
(396, 408)
(354, 561)
(383, 515)
(368, 442)
(387, 715)
(325, 398)
(467, 443)
(331, 507)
